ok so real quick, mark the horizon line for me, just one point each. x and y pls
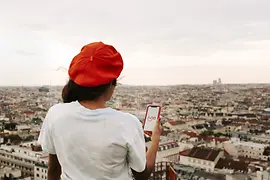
(197, 84)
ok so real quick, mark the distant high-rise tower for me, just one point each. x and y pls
(44, 89)
(219, 81)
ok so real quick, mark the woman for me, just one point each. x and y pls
(87, 140)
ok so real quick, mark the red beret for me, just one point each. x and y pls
(97, 64)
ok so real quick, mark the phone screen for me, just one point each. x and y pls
(152, 115)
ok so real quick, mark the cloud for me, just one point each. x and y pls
(45, 35)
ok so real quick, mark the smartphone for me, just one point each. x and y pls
(152, 115)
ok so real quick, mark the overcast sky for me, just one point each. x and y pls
(162, 42)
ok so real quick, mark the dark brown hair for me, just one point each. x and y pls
(74, 92)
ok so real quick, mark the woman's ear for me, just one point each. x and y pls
(109, 92)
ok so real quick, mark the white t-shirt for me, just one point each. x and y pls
(93, 144)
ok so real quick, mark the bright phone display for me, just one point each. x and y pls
(152, 115)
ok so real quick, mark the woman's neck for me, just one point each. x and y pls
(93, 104)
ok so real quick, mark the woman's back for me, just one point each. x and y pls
(93, 144)
(85, 139)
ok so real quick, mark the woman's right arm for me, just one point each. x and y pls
(150, 155)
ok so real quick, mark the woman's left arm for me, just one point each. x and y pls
(46, 141)
(54, 168)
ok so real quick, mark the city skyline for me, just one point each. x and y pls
(162, 43)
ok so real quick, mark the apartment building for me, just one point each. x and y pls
(182, 172)
(266, 114)
(41, 168)
(263, 175)
(236, 148)
(20, 158)
(23, 131)
(2, 135)
(167, 152)
(201, 157)
(10, 172)
(260, 138)
(175, 125)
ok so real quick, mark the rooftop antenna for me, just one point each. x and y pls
(119, 79)
(61, 68)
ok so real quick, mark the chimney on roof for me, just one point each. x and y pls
(36, 148)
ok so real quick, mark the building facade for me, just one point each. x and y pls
(20, 158)
(237, 148)
(201, 157)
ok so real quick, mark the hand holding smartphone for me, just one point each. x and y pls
(152, 115)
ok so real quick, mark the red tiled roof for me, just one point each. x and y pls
(205, 138)
(3, 133)
(191, 134)
(185, 153)
(167, 143)
(247, 159)
(175, 123)
(202, 153)
(214, 138)
(231, 164)
(29, 112)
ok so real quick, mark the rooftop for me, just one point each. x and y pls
(267, 109)
(205, 138)
(8, 170)
(191, 173)
(202, 153)
(176, 123)
(224, 163)
(249, 144)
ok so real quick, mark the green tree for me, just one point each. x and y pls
(29, 138)
(218, 134)
(10, 126)
(36, 120)
(207, 133)
(14, 139)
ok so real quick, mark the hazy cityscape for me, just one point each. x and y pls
(206, 62)
(215, 131)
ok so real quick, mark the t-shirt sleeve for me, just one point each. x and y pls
(45, 138)
(136, 149)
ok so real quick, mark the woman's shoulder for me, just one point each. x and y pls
(59, 107)
(128, 118)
